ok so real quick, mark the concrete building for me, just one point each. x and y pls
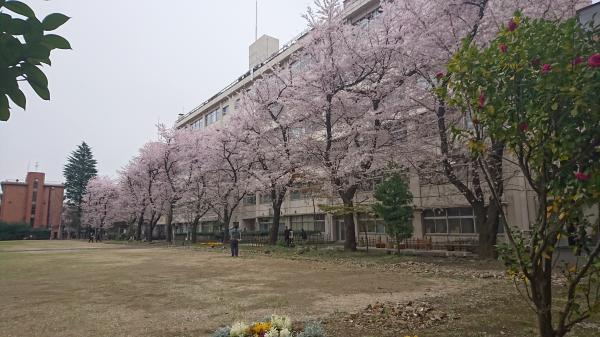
(33, 201)
(441, 212)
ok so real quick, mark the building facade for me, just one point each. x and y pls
(34, 202)
(440, 211)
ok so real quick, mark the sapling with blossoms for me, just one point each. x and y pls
(432, 31)
(542, 103)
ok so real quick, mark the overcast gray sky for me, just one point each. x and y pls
(133, 63)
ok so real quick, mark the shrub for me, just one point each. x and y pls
(313, 329)
(16, 231)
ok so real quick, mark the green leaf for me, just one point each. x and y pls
(16, 26)
(56, 42)
(35, 75)
(41, 91)
(4, 109)
(54, 20)
(18, 97)
(20, 8)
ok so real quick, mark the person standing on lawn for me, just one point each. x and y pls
(234, 237)
(286, 236)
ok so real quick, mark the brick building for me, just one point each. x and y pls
(33, 201)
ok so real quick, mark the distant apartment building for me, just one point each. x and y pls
(440, 211)
(34, 202)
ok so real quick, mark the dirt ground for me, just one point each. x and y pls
(70, 288)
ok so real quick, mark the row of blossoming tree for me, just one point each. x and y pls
(454, 91)
(354, 99)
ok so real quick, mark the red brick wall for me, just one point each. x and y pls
(14, 201)
(17, 201)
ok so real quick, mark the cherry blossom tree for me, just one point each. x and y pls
(194, 194)
(174, 172)
(432, 31)
(100, 209)
(270, 138)
(343, 95)
(147, 187)
(226, 173)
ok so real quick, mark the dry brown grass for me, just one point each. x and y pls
(116, 291)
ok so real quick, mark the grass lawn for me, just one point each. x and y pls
(72, 288)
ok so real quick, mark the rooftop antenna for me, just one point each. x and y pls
(36, 166)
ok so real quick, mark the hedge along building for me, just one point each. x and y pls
(441, 212)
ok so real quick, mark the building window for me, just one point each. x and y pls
(370, 184)
(264, 224)
(250, 199)
(225, 110)
(210, 227)
(459, 220)
(370, 223)
(265, 198)
(309, 222)
(211, 118)
(236, 105)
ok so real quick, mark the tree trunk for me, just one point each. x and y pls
(78, 217)
(486, 221)
(350, 242)
(140, 223)
(541, 291)
(169, 225)
(226, 219)
(195, 229)
(150, 227)
(274, 230)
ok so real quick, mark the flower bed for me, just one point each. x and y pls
(276, 326)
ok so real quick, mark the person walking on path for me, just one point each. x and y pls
(90, 237)
(303, 235)
(234, 238)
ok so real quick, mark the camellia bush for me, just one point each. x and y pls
(535, 88)
(24, 48)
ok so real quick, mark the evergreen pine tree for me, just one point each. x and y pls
(80, 168)
(394, 199)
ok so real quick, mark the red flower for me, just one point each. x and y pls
(512, 25)
(481, 100)
(594, 61)
(546, 68)
(503, 48)
(439, 76)
(523, 126)
(577, 60)
(582, 176)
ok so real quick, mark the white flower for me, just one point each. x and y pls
(281, 322)
(285, 333)
(238, 329)
(272, 333)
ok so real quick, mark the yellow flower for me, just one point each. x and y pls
(260, 328)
